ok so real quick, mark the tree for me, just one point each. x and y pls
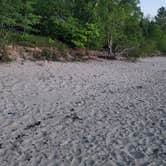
(28, 17)
(9, 14)
(117, 25)
(116, 22)
(72, 22)
(161, 18)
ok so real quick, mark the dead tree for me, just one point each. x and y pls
(111, 54)
(115, 52)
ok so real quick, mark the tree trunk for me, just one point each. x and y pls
(111, 55)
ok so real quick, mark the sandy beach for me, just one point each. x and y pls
(96, 113)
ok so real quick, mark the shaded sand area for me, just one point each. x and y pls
(98, 113)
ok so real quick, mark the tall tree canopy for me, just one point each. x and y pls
(161, 18)
(97, 24)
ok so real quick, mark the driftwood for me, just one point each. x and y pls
(113, 53)
(117, 52)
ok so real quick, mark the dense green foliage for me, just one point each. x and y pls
(96, 24)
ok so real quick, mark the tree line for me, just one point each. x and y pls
(116, 25)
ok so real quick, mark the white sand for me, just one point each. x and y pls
(94, 113)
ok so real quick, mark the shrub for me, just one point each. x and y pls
(162, 45)
(4, 57)
(85, 36)
(134, 52)
(51, 41)
(148, 48)
(47, 54)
